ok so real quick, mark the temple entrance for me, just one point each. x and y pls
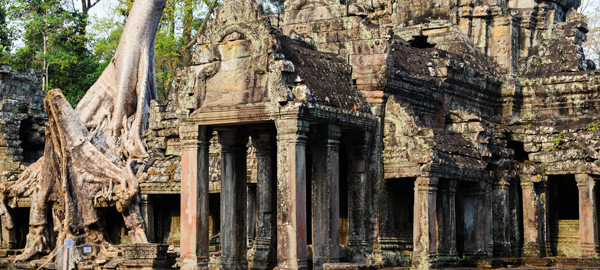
(397, 223)
(564, 216)
(469, 222)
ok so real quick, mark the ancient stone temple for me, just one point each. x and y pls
(344, 134)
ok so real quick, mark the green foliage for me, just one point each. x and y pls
(5, 34)
(592, 127)
(558, 142)
(527, 127)
(273, 6)
(54, 39)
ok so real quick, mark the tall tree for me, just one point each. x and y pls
(5, 37)
(94, 147)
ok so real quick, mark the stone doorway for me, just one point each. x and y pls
(564, 216)
(470, 243)
(398, 220)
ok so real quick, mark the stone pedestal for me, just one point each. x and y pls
(425, 223)
(325, 185)
(146, 257)
(358, 185)
(588, 230)
(265, 239)
(147, 210)
(292, 231)
(501, 220)
(233, 198)
(194, 196)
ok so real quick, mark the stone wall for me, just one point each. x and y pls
(22, 119)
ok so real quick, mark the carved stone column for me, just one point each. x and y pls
(194, 196)
(251, 218)
(326, 193)
(233, 198)
(425, 223)
(291, 194)
(501, 220)
(543, 192)
(475, 244)
(453, 253)
(357, 144)
(588, 219)
(446, 215)
(265, 239)
(531, 224)
(516, 218)
(147, 209)
(9, 237)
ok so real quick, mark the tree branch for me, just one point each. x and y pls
(202, 27)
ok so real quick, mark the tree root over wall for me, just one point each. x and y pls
(93, 148)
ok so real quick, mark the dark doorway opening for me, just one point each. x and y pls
(421, 42)
(32, 150)
(519, 147)
(564, 215)
(397, 219)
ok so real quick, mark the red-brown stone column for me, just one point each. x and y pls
(425, 223)
(532, 232)
(501, 220)
(265, 239)
(357, 147)
(233, 198)
(326, 193)
(588, 230)
(194, 196)
(292, 231)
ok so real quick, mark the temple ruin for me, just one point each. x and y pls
(344, 134)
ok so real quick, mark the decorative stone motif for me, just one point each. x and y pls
(145, 251)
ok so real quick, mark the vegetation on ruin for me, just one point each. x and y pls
(558, 142)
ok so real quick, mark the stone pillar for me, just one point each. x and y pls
(501, 220)
(531, 222)
(588, 219)
(446, 215)
(251, 218)
(194, 196)
(544, 201)
(147, 209)
(475, 227)
(516, 218)
(326, 193)
(233, 198)
(425, 223)
(9, 238)
(292, 250)
(357, 148)
(265, 239)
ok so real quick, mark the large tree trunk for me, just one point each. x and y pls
(95, 147)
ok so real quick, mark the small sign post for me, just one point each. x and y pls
(68, 246)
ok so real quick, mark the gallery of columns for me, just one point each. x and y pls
(298, 161)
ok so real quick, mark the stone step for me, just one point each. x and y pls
(349, 266)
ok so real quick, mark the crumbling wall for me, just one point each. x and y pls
(22, 119)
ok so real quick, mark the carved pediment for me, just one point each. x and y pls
(239, 11)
